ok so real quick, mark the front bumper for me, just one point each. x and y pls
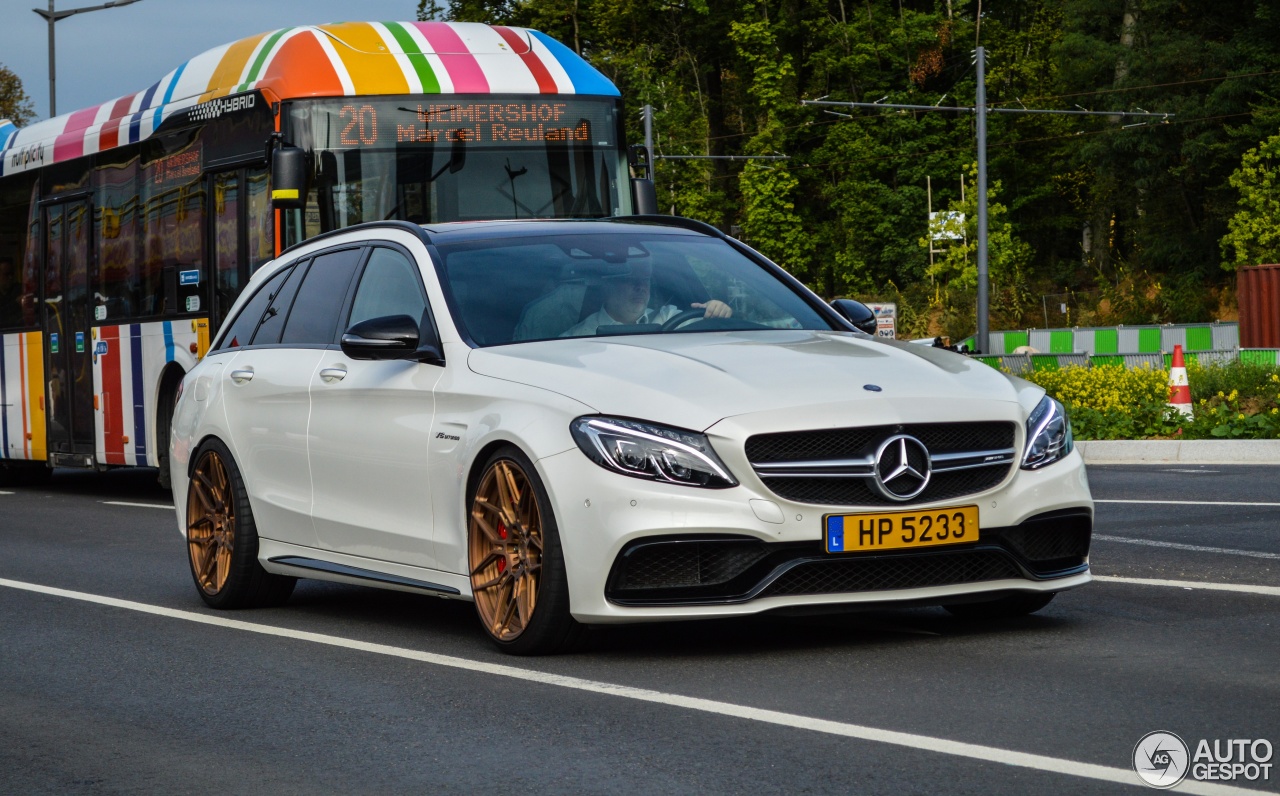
(643, 551)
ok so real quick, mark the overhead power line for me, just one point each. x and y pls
(980, 109)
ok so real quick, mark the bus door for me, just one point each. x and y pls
(241, 233)
(68, 228)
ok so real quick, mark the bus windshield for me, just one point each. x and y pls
(453, 158)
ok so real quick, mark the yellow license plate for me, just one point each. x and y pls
(893, 530)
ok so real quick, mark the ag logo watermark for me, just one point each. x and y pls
(1162, 760)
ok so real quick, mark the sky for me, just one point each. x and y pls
(107, 54)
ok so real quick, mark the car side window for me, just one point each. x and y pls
(390, 285)
(242, 326)
(314, 317)
(273, 319)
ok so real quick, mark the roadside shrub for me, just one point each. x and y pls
(1113, 402)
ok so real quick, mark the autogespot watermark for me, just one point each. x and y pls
(1162, 759)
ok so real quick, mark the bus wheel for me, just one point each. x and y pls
(517, 568)
(222, 539)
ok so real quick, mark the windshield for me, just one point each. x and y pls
(660, 281)
(457, 158)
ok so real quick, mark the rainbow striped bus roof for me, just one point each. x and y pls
(337, 60)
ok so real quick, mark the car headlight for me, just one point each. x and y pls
(656, 453)
(1048, 435)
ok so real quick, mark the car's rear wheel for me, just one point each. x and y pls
(515, 560)
(222, 539)
(1008, 605)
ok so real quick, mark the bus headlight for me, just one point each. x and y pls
(652, 452)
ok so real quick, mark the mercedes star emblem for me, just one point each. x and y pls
(902, 467)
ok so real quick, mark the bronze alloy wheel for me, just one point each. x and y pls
(505, 550)
(211, 523)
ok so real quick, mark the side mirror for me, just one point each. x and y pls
(389, 337)
(457, 156)
(288, 177)
(856, 313)
(644, 197)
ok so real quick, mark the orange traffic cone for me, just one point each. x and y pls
(1179, 389)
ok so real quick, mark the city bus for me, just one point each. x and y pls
(128, 229)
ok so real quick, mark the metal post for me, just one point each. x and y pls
(984, 321)
(51, 16)
(53, 60)
(648, 137)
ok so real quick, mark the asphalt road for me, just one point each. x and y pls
(352, 690)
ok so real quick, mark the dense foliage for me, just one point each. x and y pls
(15, 105)
(1237, 401)
(1120, 223)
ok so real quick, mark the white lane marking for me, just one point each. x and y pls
(137, 505)
(1197, 472)
(2, 492)
(1187, 502)
(1192, 547)
(1270, 591)
(924, 743)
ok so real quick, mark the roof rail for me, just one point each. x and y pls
(671, 221)
(407, 226)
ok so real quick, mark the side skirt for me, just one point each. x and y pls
(349, 574)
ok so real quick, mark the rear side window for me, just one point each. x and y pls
(314, 317)
(243, 325)
(273, 320)
(391, 285)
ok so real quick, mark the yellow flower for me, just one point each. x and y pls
(1240, 416)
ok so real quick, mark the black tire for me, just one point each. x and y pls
(164, 431)
(550, 628)
(222, 538)
(1007, 606)
(24, 473)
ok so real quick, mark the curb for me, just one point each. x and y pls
(1172, 451)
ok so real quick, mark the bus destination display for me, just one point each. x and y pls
(484, 123)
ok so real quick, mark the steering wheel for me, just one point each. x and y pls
(676, 321)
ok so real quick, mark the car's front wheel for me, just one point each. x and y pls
(515, 560)
(222, 539)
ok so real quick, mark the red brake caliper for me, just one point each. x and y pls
(502, 532)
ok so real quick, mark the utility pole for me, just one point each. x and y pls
(51, 17)
(984, 304)
(980, 109)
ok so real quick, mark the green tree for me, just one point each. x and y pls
(15, 105)
(1253, 233)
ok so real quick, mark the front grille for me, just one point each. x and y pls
(841, 576)
(843, 444)
(858, 491)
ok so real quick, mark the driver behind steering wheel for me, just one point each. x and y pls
(626, 301)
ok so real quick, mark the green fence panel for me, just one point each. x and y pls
(1014, 339)
(992, 361)
(1044, 362)
(1106, 341)
(1199, 338)
(1260, 356)
(1062, 342)
(1148, 341)
(1102, 361)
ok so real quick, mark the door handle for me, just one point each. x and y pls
(330, 375)
(241, 376)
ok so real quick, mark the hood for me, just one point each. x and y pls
(694, 380)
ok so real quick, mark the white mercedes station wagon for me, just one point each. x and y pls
(574, 423)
